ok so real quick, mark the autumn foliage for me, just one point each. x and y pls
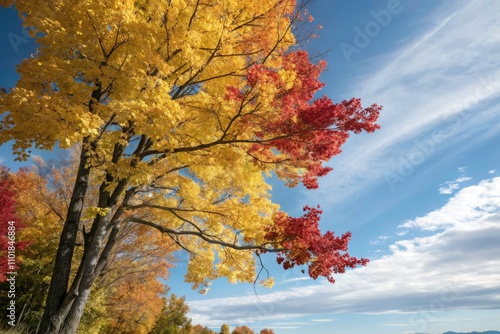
(179, 111)
(118, 303)
(303, 243)
(9, 222)
(306, 134)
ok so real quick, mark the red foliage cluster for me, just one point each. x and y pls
(7, 214)
(309, 133)
(325, 254)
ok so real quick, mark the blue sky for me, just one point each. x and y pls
(421, 196)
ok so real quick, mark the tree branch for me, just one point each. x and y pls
(203, 236)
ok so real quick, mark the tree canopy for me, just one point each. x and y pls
(180, 110)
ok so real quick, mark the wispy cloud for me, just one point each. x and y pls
(379, 240)
(456, 267)
(296, 279)
(449, 187)
(322, 320)
(437, 91)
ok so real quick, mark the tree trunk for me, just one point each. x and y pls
(62, 267)
(68, 315)
(89, 275)
(72, 320)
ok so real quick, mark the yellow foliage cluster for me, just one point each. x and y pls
(141, 87)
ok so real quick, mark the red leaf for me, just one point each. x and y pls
(309, 133)
(324, 254)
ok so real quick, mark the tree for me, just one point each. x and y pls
(243, 330)
(10, 246)
(180, 109)
(37, 209)
(118, 303)
(173, 318)
(199, 329)
(9, 223)
(267, 331)
(129, 291)
(225, 329)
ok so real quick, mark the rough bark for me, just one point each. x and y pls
(88, 265)
(58, 288)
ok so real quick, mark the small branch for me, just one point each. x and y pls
(194, 14)
(262, 267)
(203, 236)
(171, 209)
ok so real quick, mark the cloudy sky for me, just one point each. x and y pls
(421, 196)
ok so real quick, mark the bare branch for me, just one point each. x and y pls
(171, 209)
(203, 236)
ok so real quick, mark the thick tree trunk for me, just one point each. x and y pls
(64, 307)
(61, 304)
(68, 315)
(72, 320)
(62, 267)
(100, 243)
(89, 274)
(90, 268)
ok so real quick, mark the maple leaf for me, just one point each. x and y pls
(303, 243)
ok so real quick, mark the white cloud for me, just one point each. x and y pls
(296, 279)
(449, 187)
(457, 267)
(288, 323)
(437, 91)
(466, 206)
(492, 171)
(378, 240)
(397, 325)
(322, 320)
